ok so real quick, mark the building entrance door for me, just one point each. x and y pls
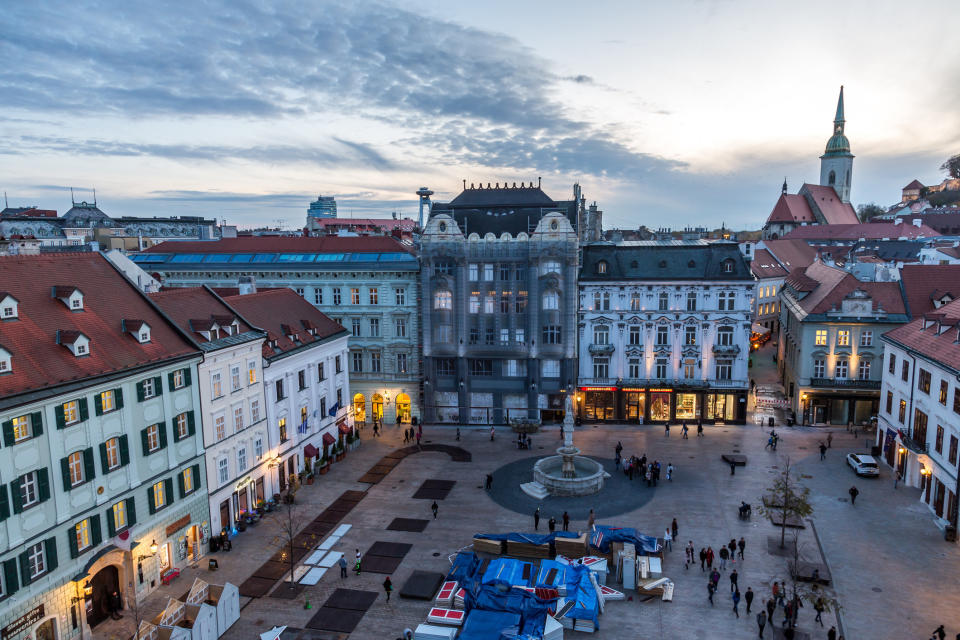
(102, 585)
(225, 522)
(193, 543)
(47, 630)
(376, 405)
(819, 414)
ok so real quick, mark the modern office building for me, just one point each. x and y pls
(664, 331)
(322, 207)
(102, 480)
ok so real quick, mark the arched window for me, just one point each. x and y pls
(443, 300)
(359, 407)
(832, 180)
(550, 266)
(602, 267)
(551, 301)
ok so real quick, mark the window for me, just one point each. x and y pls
(550, 369)
(355, 295)
(441, 333)
(601, 367)
(181, 426)
(725, 336)
(318, 296)
(690, 334)
(866, 338)
(336, 364)
(189, 482)
(552, 334)
(300, 292)
(691, 301)
(923, 381)
(773, 291)
(893, 363)
(819, 368)
(840, 371)
(179, 380)
(234, 378)
(938, 443)
(521, 304)
(355, 327)
(82, 532)
(29, 489)
(254, 411)
(943, 392)
(904, 370)
(490, 303)
(505, 302)
(633, 368)
(602, 267)
(400, 327)
(445, 367)
(689, 369)
(919, 426)
(282, 428)
(504, 272)
(863, 370)
(36, 560)
(601, 335)
(401, 363)
(890, 402)
(252, 372)
(490, 336)
(120, 515)
(660, 368)
(481, 367)
(374, 296)
(108, 401)
(75, 468)
(474, 335)
(400, 297)
(22, 428)
(278, 388)
(339, 397)
(159, 491)
(148, 388)
(223, 471)
(952, 452)
(549, 266)
(601, 301)
(821, 338)
(475, 304)
(357, 361)
(216, 387)
(488, 272)
(633, 336)
(237, 419)
(258, 443)
(336, 296)
(323, 408)
(301, 379)
(81, 348)
(442, 269)
(725, 300)
(902, 415)
(662, 335)
(727, 266)
(112, 450)
(220, 427)
(635, 302)
(375, 362)
(551, 301)
(241, 459)
(504, 336)
(474, 272)
(843, 338)
(663, 301)
(724, 369)
(519, 336)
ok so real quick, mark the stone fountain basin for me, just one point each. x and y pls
(589, 476)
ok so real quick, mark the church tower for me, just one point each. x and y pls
(836, 163)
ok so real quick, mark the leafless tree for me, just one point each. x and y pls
(788, 499)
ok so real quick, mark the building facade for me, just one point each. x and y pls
(367, 284)
(307, 385)
(499, 314)
(664, 331)
(769, 275)
(919, 417)
(232, 403)
(102, 468)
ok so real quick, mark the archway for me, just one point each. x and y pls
(46, 630)
(376, 403)
(403, 408)
(359, 408)
(102, 585)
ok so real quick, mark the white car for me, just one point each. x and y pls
(863, 465)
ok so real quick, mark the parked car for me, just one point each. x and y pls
(863, 465)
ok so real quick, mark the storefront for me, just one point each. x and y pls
(829, 408)
(661, 405)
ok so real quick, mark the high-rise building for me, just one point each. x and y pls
(322, 207)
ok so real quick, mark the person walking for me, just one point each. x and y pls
(493, 434)
(674, 528)
(387, 587)
(667, 539)
(818, 607)
(736, 602)
(733, 550)
(823, 451)
(724, 554)
(734, 576)
(536, 519)
(940, 633)
(748, 598)
(699, 429)
(771, 607)
(762, 621)
(741, 546)
(709, 557)
(854, 492)
(434, 508)
(832, 634)
(670, 471)
(666, 430)
(710, 590)
(552, 524)
(489, 483)
(775, 589)
(566, 521)
(715, 577)
(689, 555)
(781, 595)
(703, 558)
(356, 566)
(830, 440)
(342, 563)
(590, 519)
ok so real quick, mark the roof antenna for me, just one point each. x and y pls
(538, 181)
(464, 184)
(5, 203)
(94, 197)
(72, 201)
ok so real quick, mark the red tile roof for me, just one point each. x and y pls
(939, 340)
(791, 208)
(765, 265)
(916, 184)
(924, 283)
(866, 231)
(291, 244)
(829, 286)
(271, 311)
(196, 309)
(38, 361)
(834, 210)
(792, 254)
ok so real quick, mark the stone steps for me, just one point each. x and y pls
(535, 490)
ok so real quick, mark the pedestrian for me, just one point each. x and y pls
(724, 554)
(566, 521)
(854, 492)
(434, 508)
(733, 550)
(650, 476)
(776, 593)
(489, 483)
(690, 555)
(748, 598)
(830, 440)
(736, 602)
(536, 519)
(823, 451)
(771, 607)
(699, 429)
(832, 634)
(733, 468)
(741, 546)
(940, 633)
(670, 472)
(710, 589)
(818, 607)
(116, 604)
(897, 479)
(668, 540)
(733, 581)
(684, 431)
(342, 563)
(406, 436)
(356, 566)
(703, 558)
(458, 433)
(787, 614)
(618, 450)
(666, 430)
(408, 634)
(493, 433)
(674, 528)
(782, 594)
(590, 518)
(762, 621)
(387, 587)
(552, 524)
(709, 557)
(715, 576)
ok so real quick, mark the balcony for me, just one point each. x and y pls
(600, 349)
(845, 383)
(913, 445)
(726, 349)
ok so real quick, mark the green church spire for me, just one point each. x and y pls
(838, 121)
(838, 145)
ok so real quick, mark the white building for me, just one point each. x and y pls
(304, 370)
(919, 418)
(664, 332)
(101, 469)
(232, 403)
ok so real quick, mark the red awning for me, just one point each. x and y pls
(328, 439)
(310, 451)
(345, 429)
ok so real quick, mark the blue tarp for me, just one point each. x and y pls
(509, 572)
(528, 538)
(490, 625)
(464, 567)
(533, 610)
(580, 591)
(603, 535)
(558, 579)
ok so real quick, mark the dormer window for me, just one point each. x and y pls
(6, 361)
(76, 341)
(70, 296)
(602, 267)
(8, 307)
(138, 329)
(727, 266)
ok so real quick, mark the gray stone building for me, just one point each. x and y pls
(498, 275)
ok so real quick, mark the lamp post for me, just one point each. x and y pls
(901, 467)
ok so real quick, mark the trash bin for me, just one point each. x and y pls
(875, 451)
(950, 533)
(214, 544)
(769, 422)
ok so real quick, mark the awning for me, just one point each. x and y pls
(329, 439)
(345, 429)
(310, 451)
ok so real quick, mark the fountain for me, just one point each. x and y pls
(567, 473)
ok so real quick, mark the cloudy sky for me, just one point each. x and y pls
(668, 113)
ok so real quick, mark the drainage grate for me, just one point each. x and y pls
(877, 589)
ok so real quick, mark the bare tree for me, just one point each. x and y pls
(788, 499)
(812, 593)
(290, 521)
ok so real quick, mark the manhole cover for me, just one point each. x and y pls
(691, 457)
(877, 589)
(436, 553)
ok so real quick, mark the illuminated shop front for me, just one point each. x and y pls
(660, 405)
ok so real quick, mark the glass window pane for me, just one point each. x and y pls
(241, 257)
(187, 257)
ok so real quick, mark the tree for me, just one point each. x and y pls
(787, 499)
(290, 521)
(810, 593)
(867, 211)
(952, 166)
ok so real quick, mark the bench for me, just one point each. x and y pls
(169, 575)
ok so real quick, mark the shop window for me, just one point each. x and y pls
(686, 406)
(660, 406)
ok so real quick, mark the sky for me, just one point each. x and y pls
(669, 114)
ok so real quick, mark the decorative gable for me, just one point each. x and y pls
(6, 361)
(9, 307)
(75, 341)
(139, 329)
(208, 328)
(70, 296)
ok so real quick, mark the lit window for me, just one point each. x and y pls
(252, 372)
(551, 301)
(120, 515)
(843, 338)
(112, 448)
(107, 401)
(188, 480)
(82, 530)
(282, 428)
(601, 269)
(178, 379)
(153, 438)
(182, 426)
(22, 428)
(821, 337)
(75, 466)
(216, 387)
(355, 295)
(475, 304)
(159, 495)
(443, 300)
(220, 427)
(237, 418)
(71, 412)
(254, 411)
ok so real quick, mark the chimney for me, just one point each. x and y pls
(247, 285)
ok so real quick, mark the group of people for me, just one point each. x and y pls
(772, 440)
(684, 430)
(641, 468)
(565, 519)
(524, 441)
(411, 434)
